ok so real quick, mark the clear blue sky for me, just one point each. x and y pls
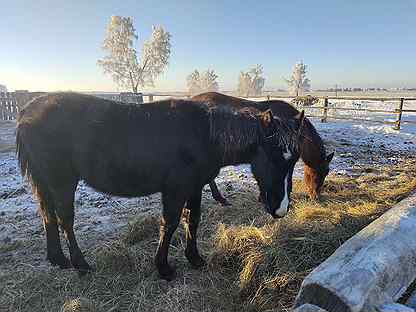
(54, 45)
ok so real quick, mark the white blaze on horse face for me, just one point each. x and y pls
(284, 205)
(287, 155)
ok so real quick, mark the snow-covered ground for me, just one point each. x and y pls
(358, 146)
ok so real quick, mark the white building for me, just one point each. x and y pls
(3, 88)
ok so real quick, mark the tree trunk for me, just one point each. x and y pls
(371, 270)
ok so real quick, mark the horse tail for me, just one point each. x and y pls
(25, 155)
(22, 153)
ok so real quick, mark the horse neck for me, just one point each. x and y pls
(236, 137)
(313, 149)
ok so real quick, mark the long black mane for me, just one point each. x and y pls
(313, 136)
(236, 130)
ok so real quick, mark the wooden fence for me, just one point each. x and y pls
(10, 104)
(323, 110)
(398, 111)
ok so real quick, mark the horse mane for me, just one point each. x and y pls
(285, 136)
(233, 130)
(237, 130)
(313, 137)
(309, 132)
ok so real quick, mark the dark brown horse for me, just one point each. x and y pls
(174, 147)
(312, 149)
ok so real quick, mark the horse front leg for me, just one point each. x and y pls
(262, 197)
(217, 195)
(191, 251)
(171, 214)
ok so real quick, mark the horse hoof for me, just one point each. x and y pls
(225, 203)
(66, 265)
(167, 273)
(61, 261)
(196, 261)
(83, 269)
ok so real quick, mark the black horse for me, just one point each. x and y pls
(312, 148)
(174, 147)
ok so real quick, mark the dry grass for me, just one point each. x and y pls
(140, 229)
(79, 305)
(272, 260)
(255, 263)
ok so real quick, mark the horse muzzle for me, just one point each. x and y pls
(279, 211)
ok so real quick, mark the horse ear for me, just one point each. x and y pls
(266, 117)
(329, 157)
(301, 118)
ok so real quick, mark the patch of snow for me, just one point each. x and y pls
(356, 144)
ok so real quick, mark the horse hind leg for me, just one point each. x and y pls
(64, 198)
(191, 251)
(55, 254)
(171, 214)
(216, 194)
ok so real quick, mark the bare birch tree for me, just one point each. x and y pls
(202, 82)
(251, 82)
(298, 83)
(122, 61)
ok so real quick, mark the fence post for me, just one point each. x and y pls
(150, 97)
(399, 115)
(1, 106)
(325, 111)
(7, 108)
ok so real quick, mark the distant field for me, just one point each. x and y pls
(353, 94)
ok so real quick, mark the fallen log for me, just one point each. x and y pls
(371, 270)
(309, 308)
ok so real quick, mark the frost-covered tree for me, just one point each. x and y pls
(251, 82)
(202, 82)
(3, 88)
(208, 81)
(298, 83)
(193, 81)
(122, 61)
(244, 84)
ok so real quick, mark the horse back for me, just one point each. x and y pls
(119, 149)
(312, 147)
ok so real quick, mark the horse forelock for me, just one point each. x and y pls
(285, 136)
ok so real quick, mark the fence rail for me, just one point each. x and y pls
(326, 108)
(12, 102)
(8, 106)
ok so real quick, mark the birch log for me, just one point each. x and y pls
(371, 270)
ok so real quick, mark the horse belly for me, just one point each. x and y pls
(126, 184)
(127, 180)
